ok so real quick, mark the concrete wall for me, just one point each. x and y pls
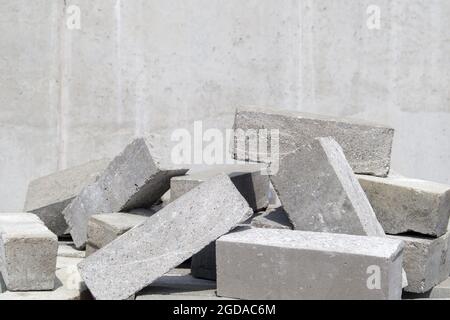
(136, 66)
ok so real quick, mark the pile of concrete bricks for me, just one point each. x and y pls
(331, 222)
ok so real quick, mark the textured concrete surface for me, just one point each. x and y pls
(104, 228)
(403, 204)
(62, 105)
(48, 196)
(312, 56)
(28, 252)
(248, 179)
(319, 191)
(272, 218)
(135, 178)
(441, 291)
(332, 266)
(165, 240)
(366, 146)
(426, 261)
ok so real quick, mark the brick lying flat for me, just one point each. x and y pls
(48, 196)
(404, 205)
(28, 252)
(426, 261)
(285, 264)
(165, 240)
(319, 192)
(104, 228)
(247, 178)
(367, 146)
(136, 178)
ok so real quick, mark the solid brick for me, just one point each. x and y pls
(367, 146)
(48, 196)
(248, 179)
(264, 264)
(403, 204)
(165, 240)
(28, 252)
(136, 178)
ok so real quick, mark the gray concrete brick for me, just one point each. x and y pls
(105, 228)
(28, 252)
(319, 192)
(367, 146)
(165, 240)
(48, 196)
(403, 204)
(136, 178)
(283, 264)
(247, 178)
(426, 261)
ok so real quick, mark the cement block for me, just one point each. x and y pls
(367, 146)
(426, 261)
(104, 228)
(247, 178)
(283, 264)
(272, 218)
(165, 240)
(404, 205)
(48, 196)
(136, 178)
(319, 192)
(28, 252)
(68, 286)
